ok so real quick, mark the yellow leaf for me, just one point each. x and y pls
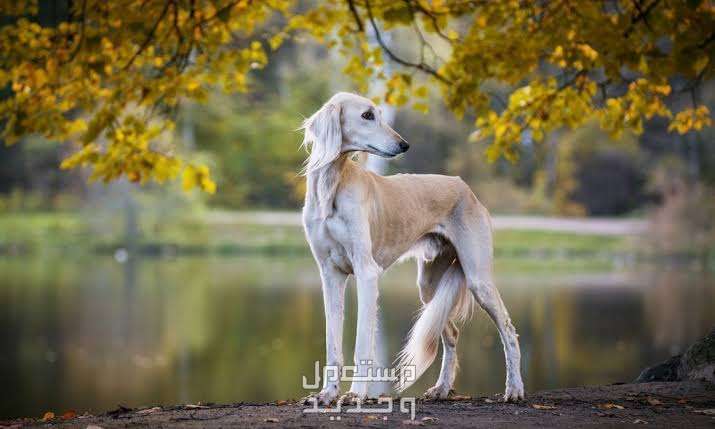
(700, 64)
(208, 185)
(77, 126)
(610, 406)
(588, 51)
(276, 41)
(192, 84)
(421, 107)
(189, 178)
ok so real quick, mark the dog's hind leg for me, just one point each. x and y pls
(429, 274)
(487, 295)
(448, 371)
(473, 242)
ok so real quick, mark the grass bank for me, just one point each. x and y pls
(202, 233)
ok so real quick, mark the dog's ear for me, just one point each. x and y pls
(323, 133)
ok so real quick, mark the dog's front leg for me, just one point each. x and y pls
(334, 282)
(367, 294)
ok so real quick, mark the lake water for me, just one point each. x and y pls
(89, 333)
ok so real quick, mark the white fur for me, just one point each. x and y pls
(359, 223)
(421, 347)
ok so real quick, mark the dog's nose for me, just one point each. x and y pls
(404, 146)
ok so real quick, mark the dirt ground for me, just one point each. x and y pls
(674, 404)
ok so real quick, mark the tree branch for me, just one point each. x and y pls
(707, 41)
(224, 9)
(431, 16)
(641, 15)
(149, 36)
(81, 31)
(638, 6)
(419, 66)
(423, 41)
(356, 16)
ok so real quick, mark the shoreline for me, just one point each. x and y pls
(659, 404)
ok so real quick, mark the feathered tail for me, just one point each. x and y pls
(451, 301)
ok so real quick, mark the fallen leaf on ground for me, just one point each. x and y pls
(653, 401)
(271, 420)
(48, 416)
(543, 407)
(282, 402)
(69, 415)
(640, 422)
(610, 406)
(460, 398)
(149, 410)
(429, 419)
(195, 406)
(708, 412)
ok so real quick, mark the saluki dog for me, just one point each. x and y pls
(360, 223)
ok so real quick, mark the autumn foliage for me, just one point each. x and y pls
(109, 75)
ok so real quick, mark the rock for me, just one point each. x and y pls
(697, 363)
(664, 371)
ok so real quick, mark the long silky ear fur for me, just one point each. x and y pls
(323, 139)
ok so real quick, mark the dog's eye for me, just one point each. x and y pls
(368, 115)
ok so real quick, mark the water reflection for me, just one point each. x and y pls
(90, 333)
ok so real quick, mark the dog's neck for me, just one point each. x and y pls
(322, 185)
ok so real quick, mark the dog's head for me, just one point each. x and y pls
(349, 123)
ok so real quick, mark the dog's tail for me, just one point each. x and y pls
(451, 301)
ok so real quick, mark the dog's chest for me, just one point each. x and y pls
(327, 240)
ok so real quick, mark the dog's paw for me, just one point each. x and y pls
(352, 398)
(438, 392)
(326, 396)
(514, 392)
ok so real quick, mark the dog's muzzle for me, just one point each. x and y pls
(404, 146)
